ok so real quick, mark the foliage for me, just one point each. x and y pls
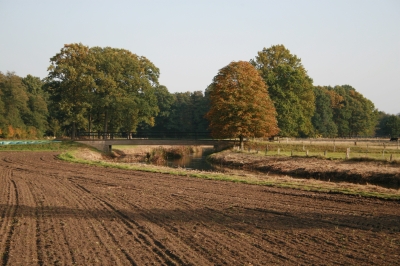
(354, 115)
(187, 112)
(99, 87)
(240, 105)
(69, 84)
(109, 89)
(322, 119)
(289, 87)
(180, 112)
(23, 107)
(389, 125)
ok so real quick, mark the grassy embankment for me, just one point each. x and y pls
(70, 152)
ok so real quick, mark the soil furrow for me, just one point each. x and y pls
(12, 221)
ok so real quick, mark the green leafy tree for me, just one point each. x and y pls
(187, 112)
(181, 115)
(125, 88)
(15, 102)
(98, 88)
(240, 105)
(70, 83)
(37, 104)
(393, 126)
(322, 119)
(355, 115)
(165, 101)
(23, 109)
(3, 120)
(389, 125)
(200, 106)
(289, 87)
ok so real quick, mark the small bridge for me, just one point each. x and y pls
(104, 141)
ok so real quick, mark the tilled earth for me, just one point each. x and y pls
(58, 213)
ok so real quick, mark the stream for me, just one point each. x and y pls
(194, 161)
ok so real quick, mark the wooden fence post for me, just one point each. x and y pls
(348, 153)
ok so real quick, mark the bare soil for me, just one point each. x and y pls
(362, 172)
(58, 213)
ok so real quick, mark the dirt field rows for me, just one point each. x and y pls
(58, 213)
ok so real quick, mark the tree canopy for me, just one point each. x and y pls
(354, 115)
(289, 87)
(23, 107)
(99, 87)
(389, 125)
(240, 105)
(322, 119)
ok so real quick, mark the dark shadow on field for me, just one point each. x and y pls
(237, 218)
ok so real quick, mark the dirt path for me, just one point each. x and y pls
(58, 213)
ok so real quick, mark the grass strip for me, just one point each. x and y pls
(49, 146)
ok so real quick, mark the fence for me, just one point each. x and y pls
(144, 135)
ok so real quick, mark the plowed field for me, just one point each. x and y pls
(58, 213)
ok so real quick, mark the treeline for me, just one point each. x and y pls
(113, 90)
(23, 107)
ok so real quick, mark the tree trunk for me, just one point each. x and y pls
(241, 143)
(90, 123)
(73, 131)
(105, 124)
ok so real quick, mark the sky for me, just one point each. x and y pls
(350, 42)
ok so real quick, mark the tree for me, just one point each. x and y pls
(69, 83)
(37, 104)
(125, 89)
(187, 112)
(389, 125)
(355, 115)
(393, 126)
(23, 109)
(107, 88)
(323, 116)
(289, 87)
(240, 105)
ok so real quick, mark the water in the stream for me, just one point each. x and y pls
(195, 161)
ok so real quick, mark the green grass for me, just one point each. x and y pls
(52, 146)
(313, 185)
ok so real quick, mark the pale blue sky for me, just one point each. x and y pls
(355, 42)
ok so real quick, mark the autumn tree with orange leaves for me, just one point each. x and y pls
(240, 106)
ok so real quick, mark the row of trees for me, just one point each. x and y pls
(23, 107)
(342, 111)
(109, 89)
(301, 108)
